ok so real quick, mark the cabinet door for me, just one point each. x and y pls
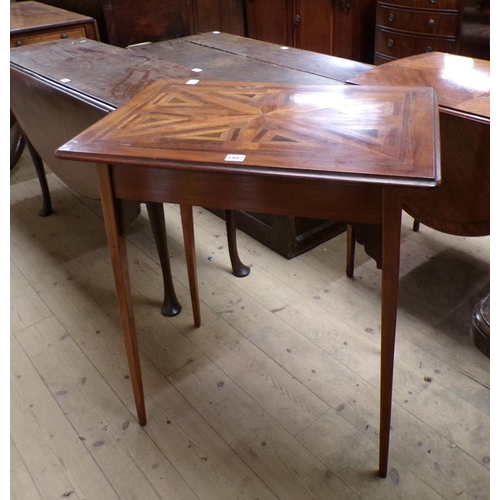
(343, 28)
(219, 15)
(354, 33)
(268, 20)
(130, 21)
(313, 25)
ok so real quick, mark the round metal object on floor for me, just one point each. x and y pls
(480, 328)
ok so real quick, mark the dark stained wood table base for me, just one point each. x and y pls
(285, 149)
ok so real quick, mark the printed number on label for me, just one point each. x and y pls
(235, 157)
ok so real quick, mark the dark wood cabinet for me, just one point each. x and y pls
(269, 21)
(128, 22)
(219, 15)
(343, 28)
(313, 25)
(409, 27)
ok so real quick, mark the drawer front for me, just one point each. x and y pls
(424, 4)
(417, 21)
(380, 59)
(397, 45)
(46, 36)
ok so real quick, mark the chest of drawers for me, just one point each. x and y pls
(409, 27)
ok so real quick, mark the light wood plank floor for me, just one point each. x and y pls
(274, 397)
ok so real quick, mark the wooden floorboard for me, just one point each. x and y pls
(275, 396)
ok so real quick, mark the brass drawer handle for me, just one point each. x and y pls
(431, 23)
(64, 35)
(434, 2)
(428, 48)
(390, 42)
(391, 17)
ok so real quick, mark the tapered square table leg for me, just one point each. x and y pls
(118, 254)
(391, 236)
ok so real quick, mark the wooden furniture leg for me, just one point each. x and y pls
(240, 270)
(190, 249)
(171, 306)
(17, 141)
(391, 241)
(351, 250)
(16, 150)
(118, 254)
(42, 179)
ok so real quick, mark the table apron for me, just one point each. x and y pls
(321, 199)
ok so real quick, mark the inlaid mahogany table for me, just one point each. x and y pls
(337, 152)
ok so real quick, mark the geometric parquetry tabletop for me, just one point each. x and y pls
(368, 134)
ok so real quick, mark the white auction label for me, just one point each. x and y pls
(235, 157)
(192, 82)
